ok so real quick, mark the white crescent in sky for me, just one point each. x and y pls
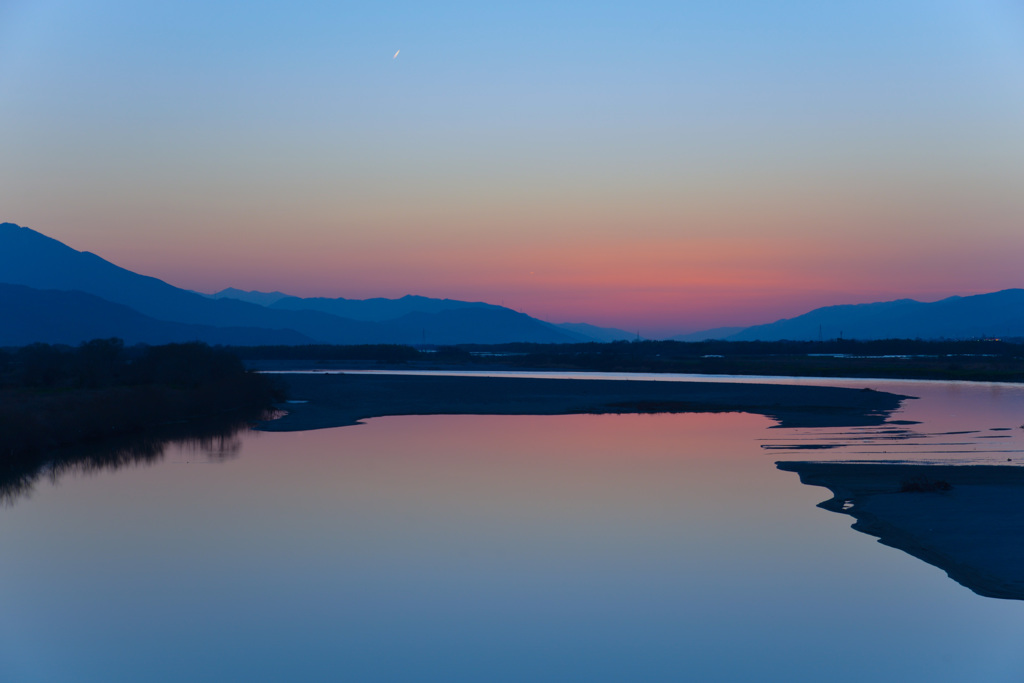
(396, 53)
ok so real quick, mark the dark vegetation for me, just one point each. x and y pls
(981, 360)
(55, 396)
(394, 353)
(978, 360)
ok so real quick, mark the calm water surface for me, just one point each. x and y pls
(502, 548)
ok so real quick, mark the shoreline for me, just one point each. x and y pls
(337, 400)
(619, 376)
(412, 368)
(769, 368)
(971, 531)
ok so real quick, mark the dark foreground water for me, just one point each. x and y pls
(507, 548)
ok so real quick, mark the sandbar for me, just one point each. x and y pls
(336, 400)
(974, 530)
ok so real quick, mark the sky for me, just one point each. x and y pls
(662, 167)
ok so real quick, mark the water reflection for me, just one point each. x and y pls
(214, 439)
(477, 548)
(966, 435)
(952, 423)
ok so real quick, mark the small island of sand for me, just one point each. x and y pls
(967, 520)
(334, 400)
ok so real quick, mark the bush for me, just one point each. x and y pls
(59, 396)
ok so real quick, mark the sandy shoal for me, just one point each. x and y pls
(973, 529)
(335, 400)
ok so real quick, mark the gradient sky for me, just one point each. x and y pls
(656, 166)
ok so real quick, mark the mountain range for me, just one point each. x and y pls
(52, 293)
(993, 315)
(30, 315)
(49, 306)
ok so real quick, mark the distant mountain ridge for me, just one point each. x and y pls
(49, 316)
(138, 307)
(601, 334)
(260, 298)
(378, 309)
(996, 314)
(405, 315)
(34, 260)
(31, 259)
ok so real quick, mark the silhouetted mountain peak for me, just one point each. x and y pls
(32, 259)
(253, 297)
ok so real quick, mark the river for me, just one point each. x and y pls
(503, 548)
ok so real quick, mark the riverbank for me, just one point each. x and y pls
(966, 520)
(319, 401)
(33, 421)
(978, 360)
(53, 397)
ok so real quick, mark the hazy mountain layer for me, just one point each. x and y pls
(261, 298)
(600, 334)
(34, 260)
(484, 323)
(377, 309)
(491, 325)
(998, 314)
(63, 317)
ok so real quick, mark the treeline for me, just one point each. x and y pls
(490, 353)
(392, 353)
(107, 362)
(52, 396)
(895, 358)
(851, 347)
(892, 358)
(990, 360)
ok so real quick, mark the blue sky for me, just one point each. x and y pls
(664, 165)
